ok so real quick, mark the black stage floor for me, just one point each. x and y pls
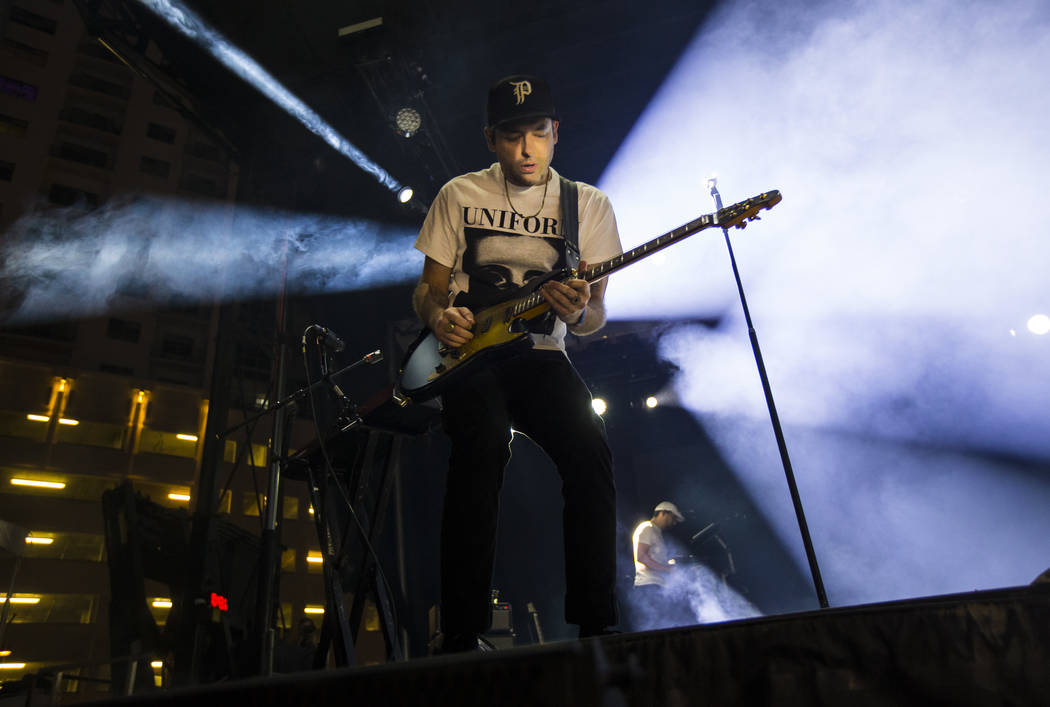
(983, 648)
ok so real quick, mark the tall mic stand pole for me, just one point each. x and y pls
(814, 569)
(270, 545)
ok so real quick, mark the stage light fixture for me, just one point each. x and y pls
(1039, 324)
(38, 540)
(68, 421)
(651, 402)
(175, 496)
(22, 600)
(186, 438)
(405, 195)
(162, 603)
(408, 121)
(156, 664)
(315, 558)
(12, 666)
(599, 406)
(38, 418)
(313, 610)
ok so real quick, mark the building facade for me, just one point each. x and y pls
(91, 403)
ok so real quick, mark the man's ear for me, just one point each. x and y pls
(554, 130)
(489, 136)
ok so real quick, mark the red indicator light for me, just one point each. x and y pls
(218, 601)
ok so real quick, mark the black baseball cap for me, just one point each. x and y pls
(519, 97)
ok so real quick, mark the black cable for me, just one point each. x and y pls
(330, 470)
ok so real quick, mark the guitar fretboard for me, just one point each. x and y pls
(604, 269)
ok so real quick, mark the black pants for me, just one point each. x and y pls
(540, 394)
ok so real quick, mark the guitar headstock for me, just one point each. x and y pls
(738, 215)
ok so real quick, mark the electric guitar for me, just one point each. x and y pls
(430, 367)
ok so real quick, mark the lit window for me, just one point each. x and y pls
(65, 546)
(38, 483)
(52, 608)
(315, 557)
(22, 600)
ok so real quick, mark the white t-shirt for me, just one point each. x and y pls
(478, 230)
(652, 536)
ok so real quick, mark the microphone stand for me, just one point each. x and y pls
(373, 357)
(814, 569)
(269, 546)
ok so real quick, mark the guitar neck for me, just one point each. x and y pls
(597, 272)
(735, 216)
(601, 270)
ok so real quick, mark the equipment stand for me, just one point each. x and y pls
(349, 523)
(814, 569)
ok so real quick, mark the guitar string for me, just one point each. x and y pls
(534, 299)
(699, 224)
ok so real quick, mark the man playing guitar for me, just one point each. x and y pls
(488, 234)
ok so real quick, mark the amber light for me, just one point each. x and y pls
(38, 483)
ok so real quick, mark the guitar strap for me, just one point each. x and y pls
(570, 231)
(570, 221)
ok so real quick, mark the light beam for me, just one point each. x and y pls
(192, 27)
(909, 146)
(144, 251)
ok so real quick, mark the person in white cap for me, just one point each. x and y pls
(650, 551)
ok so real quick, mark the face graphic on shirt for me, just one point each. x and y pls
(500, 262)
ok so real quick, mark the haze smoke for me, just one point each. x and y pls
(890, 289)
(142, 251)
